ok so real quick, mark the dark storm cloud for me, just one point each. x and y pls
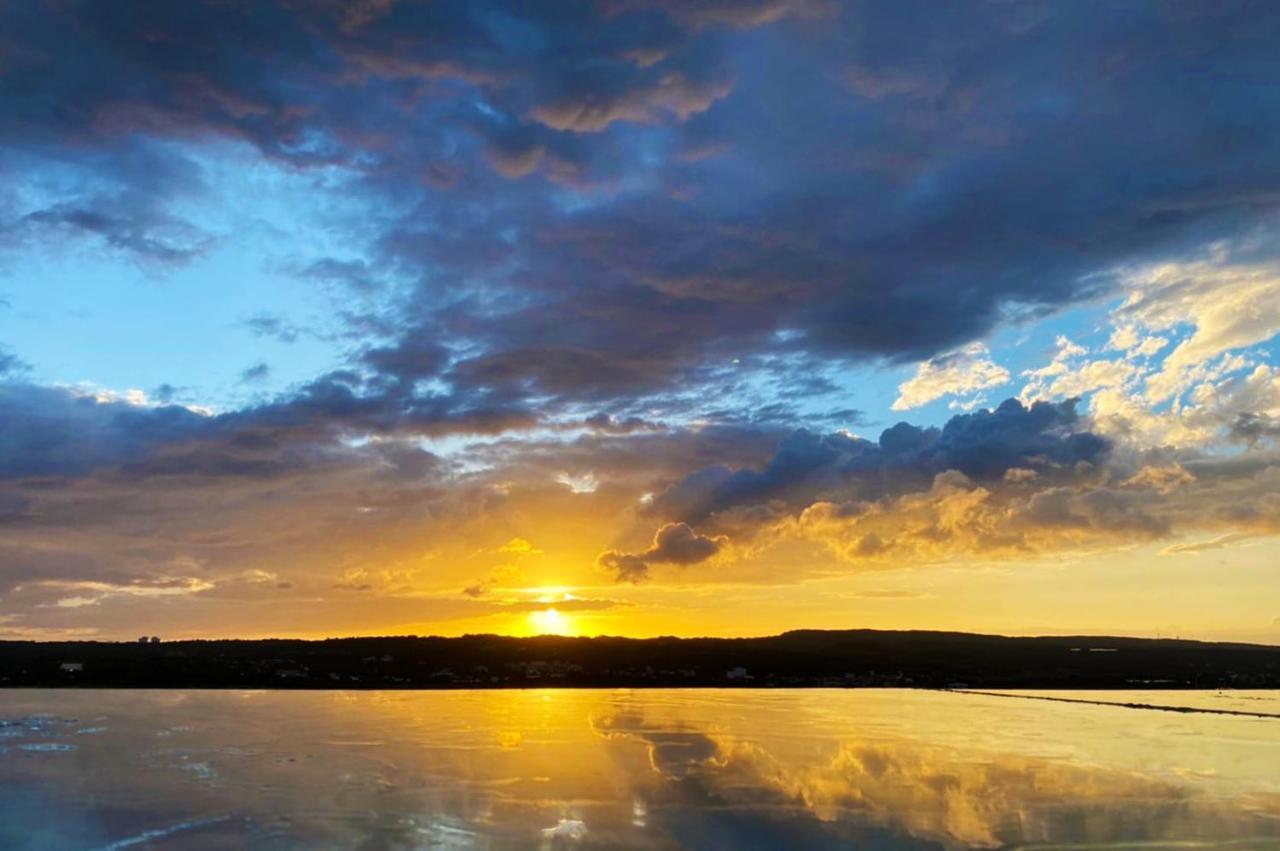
(1012, 157)
(808, 467)
(600, 217)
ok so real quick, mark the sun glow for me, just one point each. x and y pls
(548, 593)
(550, 622)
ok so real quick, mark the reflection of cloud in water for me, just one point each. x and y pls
(673, 752)
(149, 836)
(909, 788)
(941, 795)
(567, 829)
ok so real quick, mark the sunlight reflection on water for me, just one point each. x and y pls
(629, 769)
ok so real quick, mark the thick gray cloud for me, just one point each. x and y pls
(1251, 427)
(57, 432)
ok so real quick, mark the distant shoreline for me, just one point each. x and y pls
(646, 686)
(800, 659)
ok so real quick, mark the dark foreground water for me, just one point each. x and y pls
(705, 769)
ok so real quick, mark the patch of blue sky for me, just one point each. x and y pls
(1016, 347)
(1270, 350)
(82, 312)
(99, 319)
(1020, 348)
(865, 388)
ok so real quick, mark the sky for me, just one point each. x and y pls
(639, 317)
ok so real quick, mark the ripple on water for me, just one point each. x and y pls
(47, 747)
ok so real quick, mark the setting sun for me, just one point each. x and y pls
(550, 622)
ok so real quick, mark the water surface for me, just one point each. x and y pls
(704, 769)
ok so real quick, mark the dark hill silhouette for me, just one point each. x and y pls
(799, 658)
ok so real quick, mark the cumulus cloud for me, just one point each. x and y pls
(807, 467)
(1212, 386)
(1072, 375)
(1014, 482)
(957, 517)
(673, 543)
(1228, 305)
(961, 373)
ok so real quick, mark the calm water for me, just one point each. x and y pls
(701, 769)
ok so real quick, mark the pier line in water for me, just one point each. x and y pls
(1159, 707)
